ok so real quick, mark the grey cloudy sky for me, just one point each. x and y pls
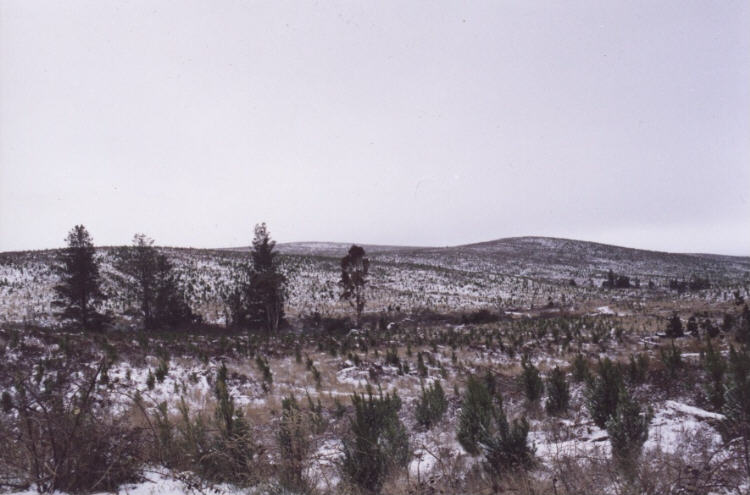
(422, 123)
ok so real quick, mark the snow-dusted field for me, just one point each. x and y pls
(424, 299)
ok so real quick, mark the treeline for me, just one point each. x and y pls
(619, 281)
(254, 300)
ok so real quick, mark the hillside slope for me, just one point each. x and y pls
(521, 272)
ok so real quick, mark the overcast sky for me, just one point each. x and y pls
(389, 122)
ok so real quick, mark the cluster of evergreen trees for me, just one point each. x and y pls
(152, 283)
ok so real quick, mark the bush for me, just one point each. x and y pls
(674, 327)
(533, 386)
(506, 446)
(432, 405)
(421, 368)
(475, 417)
(218, 449)
(265, 369)
(637, 369)
(715, 367)
(737, 401)
(58, 435)
(293, 442)
(628, 431)
(581, 370)
(377, 441)
(672, 360)
(559, 392)
(603, 392)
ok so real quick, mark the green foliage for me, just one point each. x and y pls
(259, 292)
(737, 400)
(150, 380)
(715, 367)
(671, 357)
(603, 392)
(628, 431)
(743, 329)
(421, 368)
(154, 284)
(581, 370)
(637, 369)
(265, 370)
(533, 386)
(475, 416)
(294, 444)
(432, 405)
(506, 446)
(355, 267)
(162, 370)
(78, 296)
(674, 327)
(559, 392)
(377, 441)
(391, 357)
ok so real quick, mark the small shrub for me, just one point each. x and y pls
(674, 327)
(162, 370)
(506, 447)
(377, 441)
(581, 372)
(628, 431)
(293, 442)
(637, 369)
(559, 392)
(737, 401)
(533, 386)
(432, 405)
(715, 367)
(475, 416)
(265, 369)
(603, 392)
(421, 368)
(671, 357)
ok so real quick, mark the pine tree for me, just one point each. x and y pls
(737, 400)
(476, 415)
(603, 392)
(506, 447)
(628, 431)
(354, 270)
(743, 329)
(139, 263)
(432, 405)
(78, 296)
(293, 441)
(155, 285)
(171, 308)
(531, 380)
(674, 327)
(715, 367)
(267, 288)
(377, 441)
(559, 392)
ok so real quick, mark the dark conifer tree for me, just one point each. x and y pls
(354, 270)
(674, 327)
(78, 296)
(155, 285)
(266, 293)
